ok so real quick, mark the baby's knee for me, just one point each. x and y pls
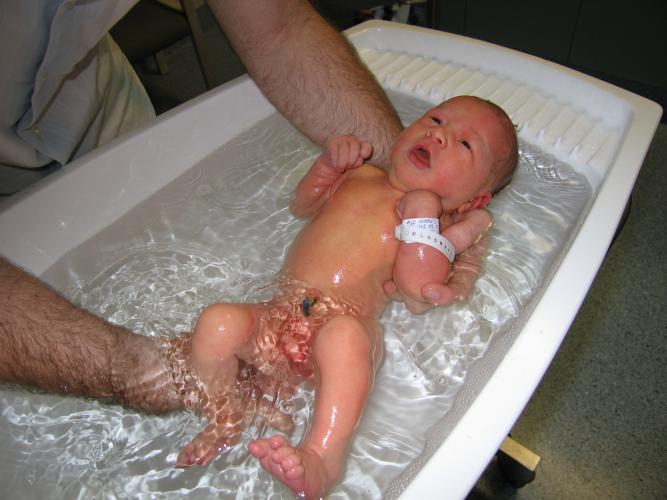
(217, 316)
(222, 326)
(344, 335)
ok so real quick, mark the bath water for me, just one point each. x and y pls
(219, 233)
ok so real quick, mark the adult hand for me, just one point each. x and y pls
(49, 344)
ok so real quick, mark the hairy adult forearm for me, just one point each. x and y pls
(309, 71)
(49, 344)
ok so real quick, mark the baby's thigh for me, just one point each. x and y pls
(347, 339)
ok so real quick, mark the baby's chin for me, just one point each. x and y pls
(395, 182)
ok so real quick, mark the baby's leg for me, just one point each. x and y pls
(222, 332)
(344, 355)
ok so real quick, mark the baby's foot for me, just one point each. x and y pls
(273, 416)
(222, 432)
(300, 469)
(200, 451)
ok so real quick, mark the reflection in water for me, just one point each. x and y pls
(219, 233)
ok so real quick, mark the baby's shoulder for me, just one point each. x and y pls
(367, 172)
(365, 183)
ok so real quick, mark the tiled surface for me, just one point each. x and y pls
(545, 122)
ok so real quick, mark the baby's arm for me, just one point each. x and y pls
(341, 154)
(418, 264)
(421, 275)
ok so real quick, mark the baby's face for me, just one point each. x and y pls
(452, 150)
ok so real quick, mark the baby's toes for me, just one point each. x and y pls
(188, 456)
(278, 441)
(295, 472)
(287, 458)
(259, 448)
(198, 452)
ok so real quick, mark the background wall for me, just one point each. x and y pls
(624, 43)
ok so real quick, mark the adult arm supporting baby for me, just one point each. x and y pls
(309, 71)
(51, 345)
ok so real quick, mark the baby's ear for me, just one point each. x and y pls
(482, 199)
(479, 201)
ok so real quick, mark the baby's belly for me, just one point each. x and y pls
(348, 249)
(343, 276)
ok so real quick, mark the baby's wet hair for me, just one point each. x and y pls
(505, 170)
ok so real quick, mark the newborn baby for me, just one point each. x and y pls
(370, 235)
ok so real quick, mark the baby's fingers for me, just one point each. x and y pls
(357, 152)
(336, 150)
(365, 152)
(352, 153)
(441, 295)
(391, 290)
(347, 152)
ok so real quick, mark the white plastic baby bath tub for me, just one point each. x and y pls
(603, 132)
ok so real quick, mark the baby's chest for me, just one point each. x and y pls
(365, 199)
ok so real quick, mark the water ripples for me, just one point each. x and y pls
(220, 232)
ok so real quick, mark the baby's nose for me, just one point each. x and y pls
(438, 134)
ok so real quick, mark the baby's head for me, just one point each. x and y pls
(464, 150)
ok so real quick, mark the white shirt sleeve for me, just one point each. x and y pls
(70, 86)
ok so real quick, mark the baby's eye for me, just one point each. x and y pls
(465, 143)
(436, 120)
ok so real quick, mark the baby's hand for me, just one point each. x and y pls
(419, 203)
(345, 152)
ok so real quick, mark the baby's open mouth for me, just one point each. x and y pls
(421, 157)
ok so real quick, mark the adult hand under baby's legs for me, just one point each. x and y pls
(227, 414)
(209, 376)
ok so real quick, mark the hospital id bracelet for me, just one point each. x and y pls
(429, 223)
(423, 230)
